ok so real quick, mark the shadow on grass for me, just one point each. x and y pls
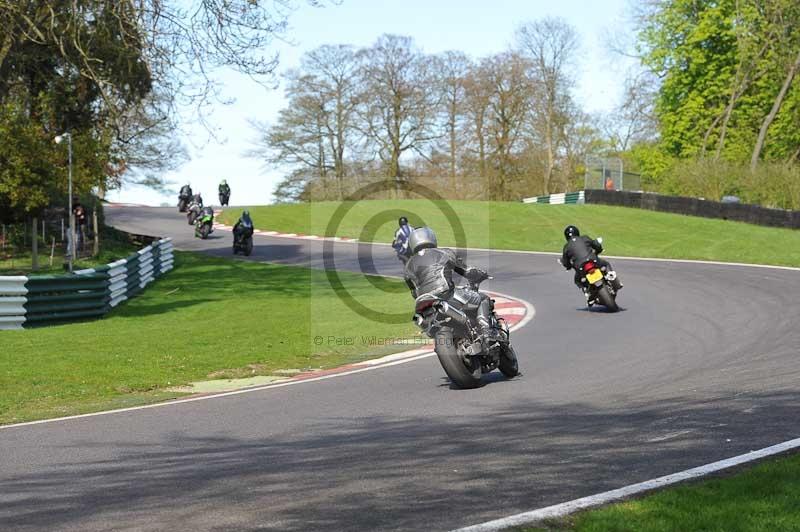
(381, 472)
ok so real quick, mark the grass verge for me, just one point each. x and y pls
(517, 226)
(208, 318)
(762, 498)
(20, 264)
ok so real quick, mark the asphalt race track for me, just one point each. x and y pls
(702, 365)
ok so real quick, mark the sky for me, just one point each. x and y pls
(476, 27)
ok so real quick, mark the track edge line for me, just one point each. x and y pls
(566, 508)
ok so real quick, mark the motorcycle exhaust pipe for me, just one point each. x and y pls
(453, 313)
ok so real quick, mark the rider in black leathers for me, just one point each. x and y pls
(580, 249)
(430, 271)
(243, 228)
(224, 193)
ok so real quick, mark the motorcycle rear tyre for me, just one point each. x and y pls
(607, 300)
(509, 365)
(461, 375)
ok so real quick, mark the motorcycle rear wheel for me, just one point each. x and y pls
(509, 365)
(457, 369)
(607, 300)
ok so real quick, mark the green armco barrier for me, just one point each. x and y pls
(87, 294)
(568, 198)
(54, 309)
(36, 299)
(41, 320)
(95, 281)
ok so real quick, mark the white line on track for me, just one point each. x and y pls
(556, 254)
(565, 508)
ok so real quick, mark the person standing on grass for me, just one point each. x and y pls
(79, 212)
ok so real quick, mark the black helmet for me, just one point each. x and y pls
(571, 232)
(403, 221)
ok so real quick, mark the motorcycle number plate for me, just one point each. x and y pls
(594, 276)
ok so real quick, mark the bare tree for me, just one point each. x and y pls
(478, 95)
(298, 139)
(506, 76)
(316, 130)
(177, 44)
(400, 111)
(332, 71)
(550, 45)
(452, 69)
(633, 120)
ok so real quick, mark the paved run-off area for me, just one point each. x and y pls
(702, 365)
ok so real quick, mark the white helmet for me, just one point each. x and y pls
(422, 238)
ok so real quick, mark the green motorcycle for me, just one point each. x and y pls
(204, 223)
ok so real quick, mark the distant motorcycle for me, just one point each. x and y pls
(402, 250)
(183, 203)
(184, 198)
(204, 225)
(403, 255)
(598, 284)
(194, 209)
(223, 199)
(463, 352)
(243, 241)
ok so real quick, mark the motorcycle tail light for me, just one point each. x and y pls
(589, 266)
(422, 305)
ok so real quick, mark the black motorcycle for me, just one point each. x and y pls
(184, 198)
(243, 241)
(183, 202)
(464, 353)
(598, 285)
(195, 206)
(223, 199)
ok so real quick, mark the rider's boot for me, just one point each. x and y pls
(491, 334)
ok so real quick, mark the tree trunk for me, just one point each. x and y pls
(452, 158)
(550, 160)
(35, 244)
(795, 156)
(776, 106)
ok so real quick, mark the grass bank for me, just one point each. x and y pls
(763, 498)
(208, 318)
(517, 226)
(19, 263)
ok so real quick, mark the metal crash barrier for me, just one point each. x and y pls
(53, 299)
